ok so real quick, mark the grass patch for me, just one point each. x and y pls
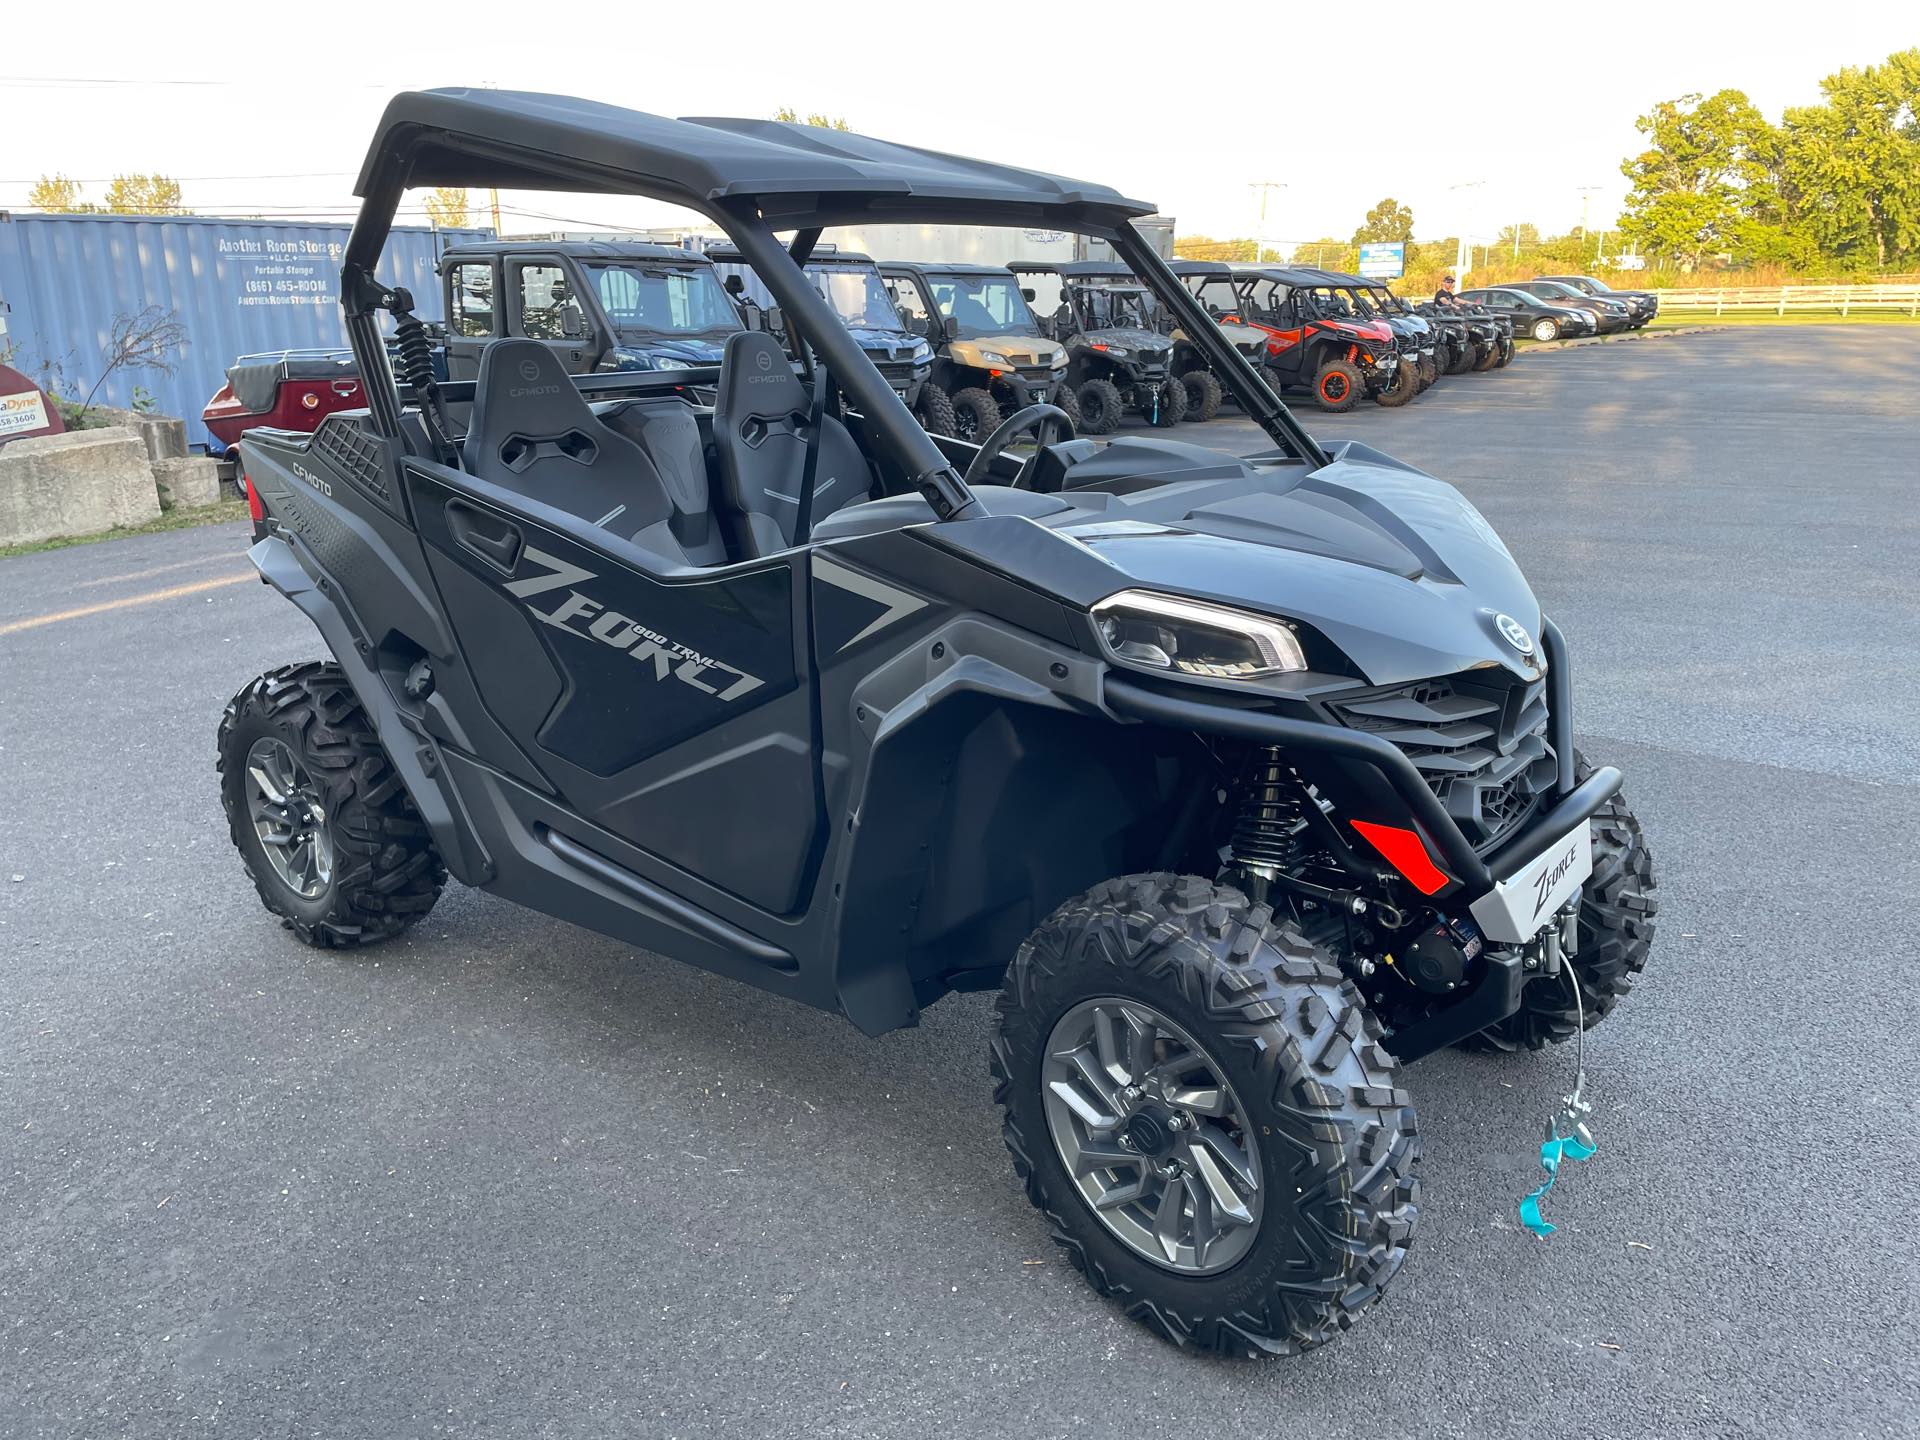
(1668, 320)
(216, 514)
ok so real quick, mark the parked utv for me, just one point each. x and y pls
(597, 305)
(1244, 781)
(852, 286)
(1337, 357)
(1371, 300)
(1476, 338)
(990, 355)
(1189, 358)
(1116, 355)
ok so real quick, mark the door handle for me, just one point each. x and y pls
(486, 535)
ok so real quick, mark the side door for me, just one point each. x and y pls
(544, 303)
(669, 708)
(473, 314)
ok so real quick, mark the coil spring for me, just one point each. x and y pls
(1268, 832)
(416, 353)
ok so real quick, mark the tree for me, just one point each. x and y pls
(1526, 234)
(144, 195)
(1850, 167)
(1388, 221)
(1328, 254)
(146, 341)
(1707, 176)
(59, 192)
(791, 116)
(1205, 247)
(447, 207)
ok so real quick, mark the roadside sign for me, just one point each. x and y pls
(1383, 261)
(23, 408)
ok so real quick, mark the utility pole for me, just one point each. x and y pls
(1463, 249)
(493, 197)
(1260, 235)
(1586, 195)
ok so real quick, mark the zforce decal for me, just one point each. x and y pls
(618, 632)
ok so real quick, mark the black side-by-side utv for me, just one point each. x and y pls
(1117, 358)
(1244, 781)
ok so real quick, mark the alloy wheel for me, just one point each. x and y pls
(1152, 1135)
(290, 818)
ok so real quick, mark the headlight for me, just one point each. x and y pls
(993, 357)
(664, 362)
(1059, 361)
(922, 350)
(1187, 637)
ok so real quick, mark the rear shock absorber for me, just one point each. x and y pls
(1269, 832)
(415, 347)
(416, 352)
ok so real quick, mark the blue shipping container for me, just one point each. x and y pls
(238, 287)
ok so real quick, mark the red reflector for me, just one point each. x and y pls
(254, 507)
(1405, 852)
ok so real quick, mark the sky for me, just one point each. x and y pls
(1475, 116)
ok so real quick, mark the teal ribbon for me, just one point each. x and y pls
(1555, 1149)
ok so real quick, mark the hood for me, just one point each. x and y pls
(1396, 569)
(1360, 329)
(641, 352)
(1020, 349)
(1131, 337)
(883, 344)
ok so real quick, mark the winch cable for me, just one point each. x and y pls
(1568, 1137)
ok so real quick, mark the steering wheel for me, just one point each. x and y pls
(1050, 425)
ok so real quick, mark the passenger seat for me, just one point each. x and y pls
(534, 433)
(759, 429)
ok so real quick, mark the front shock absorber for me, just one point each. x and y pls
(1269, 832)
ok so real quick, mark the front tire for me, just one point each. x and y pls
(1544, 330)
(975, 414)
(328, 833)
(1100, 407)
(1406, 385)
(1203, 394)
(1298, 1143)
(935, 411)
(1337, 387)
(1615, 937)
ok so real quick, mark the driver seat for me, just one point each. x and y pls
(760, 415)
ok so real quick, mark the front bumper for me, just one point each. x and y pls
(1473, 878)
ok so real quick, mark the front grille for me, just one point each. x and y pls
(1479, 741)
(1038, 375)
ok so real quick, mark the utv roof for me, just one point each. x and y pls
(933, 267)
(797, 175)
(1072, 269)
(578, 249)
(1184, 268)
(822, 255)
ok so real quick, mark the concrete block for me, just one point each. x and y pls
(79, 483)
(164, 436)
(188, 481)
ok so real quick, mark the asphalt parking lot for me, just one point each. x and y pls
(509, 1178)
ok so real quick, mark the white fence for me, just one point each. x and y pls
(1792, 299)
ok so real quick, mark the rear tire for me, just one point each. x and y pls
(1331, 1144)
(975, 414)
(1100, 407)
(935, 411)
(381, 872)
(1203, 394)
(1337, 387)
(1406, 385)
(1615, 932)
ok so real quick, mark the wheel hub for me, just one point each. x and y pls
(1152, 1135)
(289, 818)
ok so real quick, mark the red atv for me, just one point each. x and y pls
(1308, 347)
(285, 390)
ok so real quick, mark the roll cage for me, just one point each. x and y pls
(751, 178)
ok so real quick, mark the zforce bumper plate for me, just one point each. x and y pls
(1520, 904)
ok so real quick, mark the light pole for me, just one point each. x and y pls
(1260, 235)
(1463, 248)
